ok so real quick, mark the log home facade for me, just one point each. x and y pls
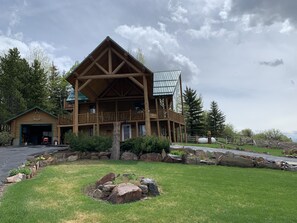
(111, 86)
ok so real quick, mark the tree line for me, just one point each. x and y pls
(26, 83)
(202, 122)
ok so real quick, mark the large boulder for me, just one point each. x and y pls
(152, 186)
(190, 159)
(106, 178)
(72, 158)
(230, 159)
(169, 158)
(128, 156)
(151, 157)
(16, 178)
(124, 193)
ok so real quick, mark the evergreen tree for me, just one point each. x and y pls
(13, 73)
(193, 112)
(57, 86)
(36, 91)
(215, 120)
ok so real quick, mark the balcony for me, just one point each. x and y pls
(124, 116)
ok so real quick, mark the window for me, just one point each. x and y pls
(141, 130)
(92, 109)
(126, 131)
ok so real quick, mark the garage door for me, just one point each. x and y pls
(36, 134)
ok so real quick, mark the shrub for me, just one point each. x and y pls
(83, 142)
(146, 144)
(23, 170)
(177, 152)
(5, 138)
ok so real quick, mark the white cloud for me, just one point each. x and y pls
(286, 27)
(206, 32)
(178, 13)
(224, 13)
(160, 48)
(64, 63)
(148, 36)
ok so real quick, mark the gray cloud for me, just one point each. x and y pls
(273, 63)
(266, 12)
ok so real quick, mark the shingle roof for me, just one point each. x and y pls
(29, 110)
(165, 82)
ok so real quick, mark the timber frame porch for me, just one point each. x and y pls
(111, 74)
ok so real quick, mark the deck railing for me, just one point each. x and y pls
(109, 117)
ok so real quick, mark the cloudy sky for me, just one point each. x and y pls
(240, 53)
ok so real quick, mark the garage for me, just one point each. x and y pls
(34, 127)
(36, 134)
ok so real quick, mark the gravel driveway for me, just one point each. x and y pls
(12, 157)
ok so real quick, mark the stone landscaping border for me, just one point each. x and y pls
(195, 157)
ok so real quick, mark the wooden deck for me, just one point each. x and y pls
(124, 116)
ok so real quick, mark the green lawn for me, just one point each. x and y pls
(189, 193)
(274, 152)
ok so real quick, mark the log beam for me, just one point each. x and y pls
(75, 113)
(168, 121)
(146, 107)
(93, 62)
(109, 60)
(136, 82)
(158, 123)
(118, 67)
(84, 85)
(110, 76)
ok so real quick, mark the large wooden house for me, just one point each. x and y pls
(111, 86)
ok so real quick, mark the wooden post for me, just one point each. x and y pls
(181, 95)
(94, 129)
(75, 113)
(186, 138)
(136, 129)
(174, 132)
(116, 110)
(59, 135)
(146, 107)
(97, 118)
(158, 123)
(115, 150)
(180, 134)
(109, 61)
(168, 121)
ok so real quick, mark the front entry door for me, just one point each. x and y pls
(126, 131)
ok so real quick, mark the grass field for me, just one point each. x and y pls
(250, 148)
(189, 193)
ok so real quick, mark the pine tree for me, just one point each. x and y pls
(215, 120)
(193, 112)
(13, 71)
(36, 91)
(57, 86)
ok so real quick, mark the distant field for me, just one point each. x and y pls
(189, 193)
(274, 152)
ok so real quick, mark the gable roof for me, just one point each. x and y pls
(165, 82)
(27, 111)
(96, 63)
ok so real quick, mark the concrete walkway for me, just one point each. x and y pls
(238, 152)
(12, 157)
